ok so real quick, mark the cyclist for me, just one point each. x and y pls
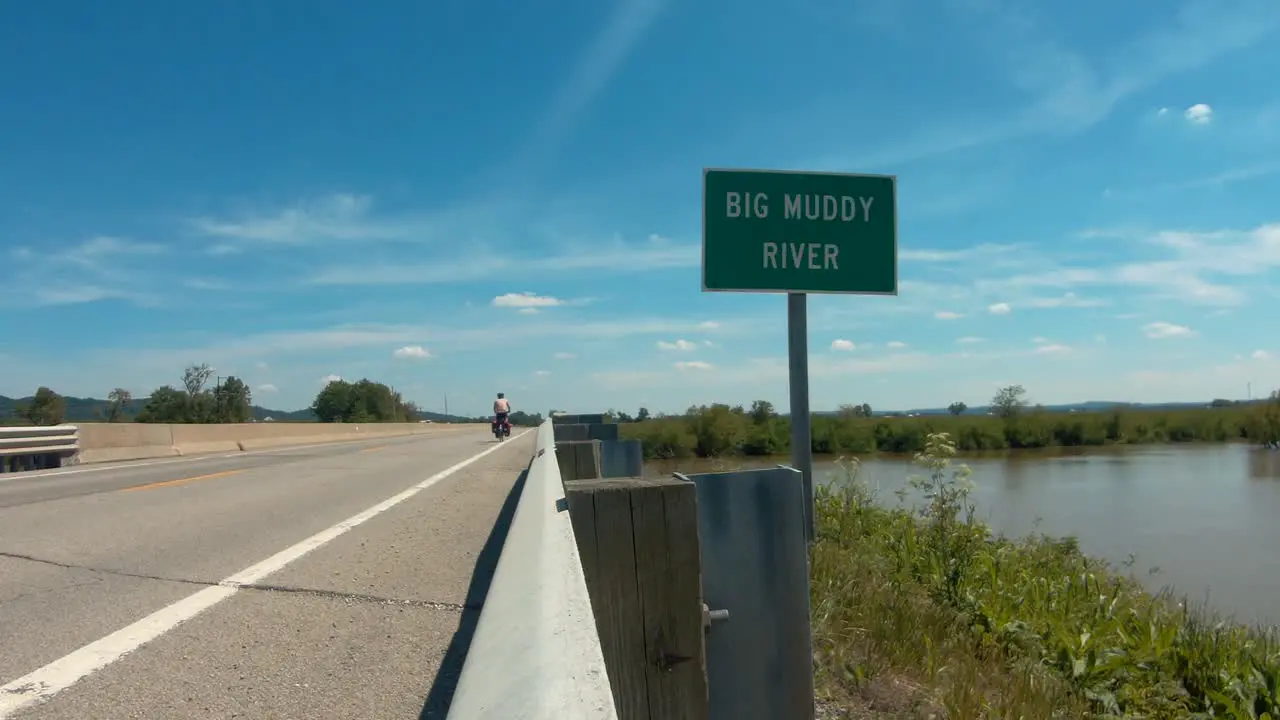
(501, 409)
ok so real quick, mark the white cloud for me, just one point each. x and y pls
(709, 325)
(999, 308)
(1100, 338)
(526, 300)
(528, 311)
(693, 365)
(681, 345)
(843, 345)
(1162, 111)
(1260, 355)
(1052, 349)
(412, 352)
(1038, 340)
(968, 340)
(541, 373)
(1198, 114)
(1161, 330)
(564, 356)
(947, 315)
(330, 379)
(895, 344)
(267, 388)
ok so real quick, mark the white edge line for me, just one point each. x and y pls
(40, 685)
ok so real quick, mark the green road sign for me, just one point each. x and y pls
(801, 232)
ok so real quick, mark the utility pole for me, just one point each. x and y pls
(217, 399)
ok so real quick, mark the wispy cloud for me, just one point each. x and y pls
(843, 345)
(615, 258)
(526, 300)
(306, 343)
(1190, 266)
(340, 216)
(1162, 330)
(1216, 180)
(100, 268)
(968, 254)
(678, 345)
(607, 52)
(1072, 90)
(1052, 349)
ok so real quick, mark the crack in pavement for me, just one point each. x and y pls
(260, 587)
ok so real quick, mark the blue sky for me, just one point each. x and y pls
(463, 199)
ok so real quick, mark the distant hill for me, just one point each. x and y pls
(1089, 406)
(95, 410)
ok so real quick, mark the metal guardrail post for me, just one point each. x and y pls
(755, 581)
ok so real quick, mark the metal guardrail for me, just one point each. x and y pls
(536, 653)
(60, 439)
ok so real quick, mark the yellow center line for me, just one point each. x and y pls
(180, 481)
(375, 448)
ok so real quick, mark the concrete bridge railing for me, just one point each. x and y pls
(536, 653)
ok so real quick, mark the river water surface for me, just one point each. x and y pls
(1206, 518)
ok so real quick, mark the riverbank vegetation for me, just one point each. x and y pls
(721, 430)
(921, 612)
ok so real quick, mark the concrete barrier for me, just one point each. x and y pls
(111, 442)
(536, 653)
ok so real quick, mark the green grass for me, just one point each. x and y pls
(921, 612)
(720, 430)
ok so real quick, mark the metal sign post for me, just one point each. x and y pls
(801, 419)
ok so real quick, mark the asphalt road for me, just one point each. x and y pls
(318, 582)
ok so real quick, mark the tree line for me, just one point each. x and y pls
(229, 400)
(718, 430)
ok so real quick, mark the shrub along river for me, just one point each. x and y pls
(1202, 519)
